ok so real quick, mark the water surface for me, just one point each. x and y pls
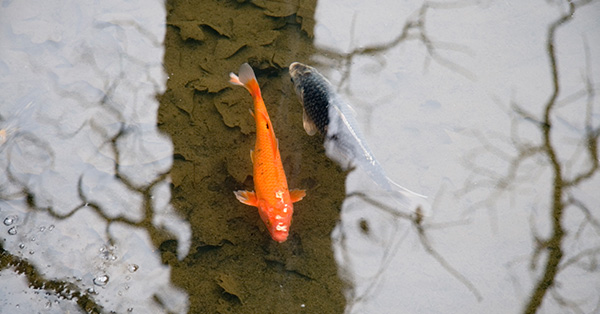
(121, 142)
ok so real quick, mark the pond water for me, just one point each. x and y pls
(121, 142)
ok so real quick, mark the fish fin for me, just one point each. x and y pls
(246, 74)
(274, 140)
(309, 125)
(275, 145)
(267, 120)
(251, 112)
(246, 79)
(252, 156)
(246, 197)
(296, 195)
(234, 79)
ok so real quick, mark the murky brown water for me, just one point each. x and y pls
(234, 266)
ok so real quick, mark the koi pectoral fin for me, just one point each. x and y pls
(296, 195)
(309, 125)
(246, 197)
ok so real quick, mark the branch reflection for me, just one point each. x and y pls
(84, 183)
(562, 224)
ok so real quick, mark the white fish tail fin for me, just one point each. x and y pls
(234, 79)
(246, 75)
(246, 79)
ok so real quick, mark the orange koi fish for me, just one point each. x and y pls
(271, 196)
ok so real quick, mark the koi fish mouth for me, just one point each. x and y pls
(281, 234)
(279, 228)
(295, 67)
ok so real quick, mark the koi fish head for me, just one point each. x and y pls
(277, 218)
(299, 73)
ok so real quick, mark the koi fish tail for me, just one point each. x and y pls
(411, 200)
(246, 79)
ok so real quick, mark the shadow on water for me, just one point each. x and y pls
(233, 265)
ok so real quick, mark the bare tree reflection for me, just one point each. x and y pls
(16, 188)
(414, 29)
(63, 289)
(567, 176)
(416, 220)
(562, 184)
(26, 180)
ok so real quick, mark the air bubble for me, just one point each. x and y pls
(101, 280)
(132, 268)
(12, 231)
(10, 220)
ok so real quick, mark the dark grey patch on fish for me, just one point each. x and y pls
(314, 91)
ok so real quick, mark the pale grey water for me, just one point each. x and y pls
(440, 121)
(78, 82)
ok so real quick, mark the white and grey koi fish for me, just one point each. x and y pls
(327, 112)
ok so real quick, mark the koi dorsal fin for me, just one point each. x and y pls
(273, 138)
